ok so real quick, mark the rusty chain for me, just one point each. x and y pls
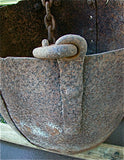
(49, 20)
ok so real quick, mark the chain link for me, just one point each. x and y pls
(49, 20)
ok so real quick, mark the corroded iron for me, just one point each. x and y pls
(55, 51)
(71, 84)
(110, 25)
(63, 104)
(101, 24)
(49, 20)
(36, 99)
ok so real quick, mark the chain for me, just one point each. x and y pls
(49, 20)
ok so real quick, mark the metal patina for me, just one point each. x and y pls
(66, 101)
(22, 25)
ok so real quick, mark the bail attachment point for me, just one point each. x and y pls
(67, 47)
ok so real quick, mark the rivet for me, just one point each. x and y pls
(45, 43)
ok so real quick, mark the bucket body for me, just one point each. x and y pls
(32, 90)
(32, 101)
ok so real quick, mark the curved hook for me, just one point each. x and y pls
(55, 51)
(67, 47)
(76, 40)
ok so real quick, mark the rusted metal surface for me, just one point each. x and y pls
(110, 23)
(99, 22)
(71, 84)
(22, 28)
(67, 47)
(40, 97)
(55, 51)
(22, 25)
(31, 89)
(49, 20)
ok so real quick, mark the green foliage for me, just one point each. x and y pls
(2, 119)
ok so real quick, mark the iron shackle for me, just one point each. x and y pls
(68, 47)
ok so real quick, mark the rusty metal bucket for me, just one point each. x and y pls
(63, 105)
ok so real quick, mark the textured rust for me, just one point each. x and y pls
(71, 84)
(55, 51)
(22, 25)
(33, 92)
(21, 28)
(31, 89)
(110, 23)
